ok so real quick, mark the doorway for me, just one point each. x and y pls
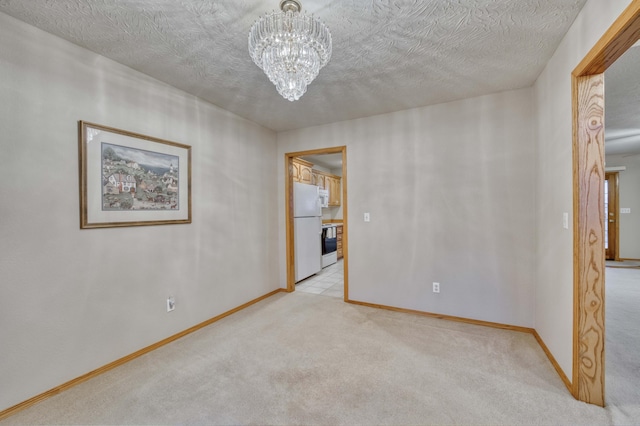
(611, 225)
(589, 234)
(341, 268)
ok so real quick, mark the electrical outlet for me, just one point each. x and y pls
(436, 287)
(171, 304)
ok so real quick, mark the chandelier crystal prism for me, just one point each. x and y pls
(290, 47)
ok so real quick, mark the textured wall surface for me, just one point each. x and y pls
(451, 192)
(74, 300)
(554, 290)
(388, 55)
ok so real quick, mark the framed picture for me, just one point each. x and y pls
(128, 179)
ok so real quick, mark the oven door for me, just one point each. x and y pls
(329, 244)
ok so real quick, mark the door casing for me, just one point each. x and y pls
(288, 188)
(612, 251)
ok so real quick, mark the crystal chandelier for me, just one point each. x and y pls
(290, 47)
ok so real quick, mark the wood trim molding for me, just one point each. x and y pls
(589, 264)
(445, 317)
(588, 378)
(345, 233)
(616, 207)
(318, 151)
(288, 214)
(553, 361)
(71, 383)
(623, 34)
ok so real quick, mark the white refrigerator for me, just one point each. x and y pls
(307, 230)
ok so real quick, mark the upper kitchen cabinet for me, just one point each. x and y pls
(302, 171)
(319, 179)
(333, 185)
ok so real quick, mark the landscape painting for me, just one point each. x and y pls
(129, 179)
(134, 179)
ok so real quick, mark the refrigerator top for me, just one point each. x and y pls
(306, 200)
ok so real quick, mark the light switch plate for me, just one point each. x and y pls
(367, 217)
(565, 220)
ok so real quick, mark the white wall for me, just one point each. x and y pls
(450, 189)
(552, 90)
(628, 197)
(74, 300)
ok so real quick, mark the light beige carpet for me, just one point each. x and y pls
(307, 359)
(622, 344)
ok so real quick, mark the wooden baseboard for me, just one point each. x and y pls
(532, 331)
(445, 317)
(553, 361)
(48, 394)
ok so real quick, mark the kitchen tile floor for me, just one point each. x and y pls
(328, 282)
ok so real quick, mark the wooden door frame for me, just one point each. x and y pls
(588, 190)
(288, 190)
(614, 206)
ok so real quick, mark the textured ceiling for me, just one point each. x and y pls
(388, 55)
(622, 104)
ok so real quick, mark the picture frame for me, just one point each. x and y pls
(129, 179)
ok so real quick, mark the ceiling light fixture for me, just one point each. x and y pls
(290, 47)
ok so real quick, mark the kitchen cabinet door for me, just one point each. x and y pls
(334, 190)
(320, 180)
(305, 174)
